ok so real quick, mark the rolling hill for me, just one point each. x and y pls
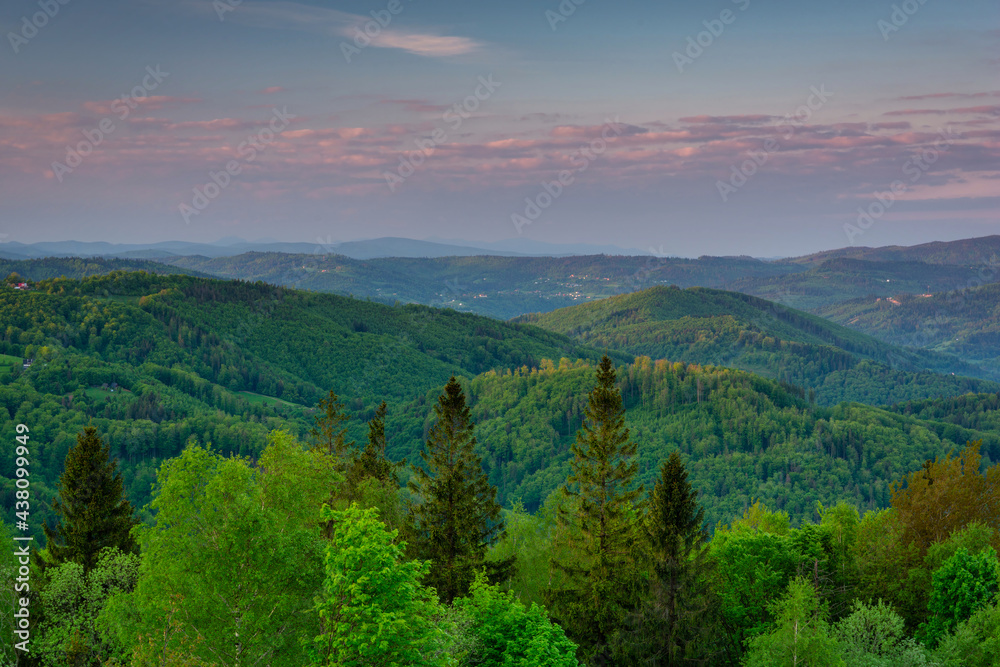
(706, 326)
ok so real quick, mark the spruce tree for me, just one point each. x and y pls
(94, 514)
(603, 526)
(457, 518)
(674, 526)
(327, 431)
(372, 463)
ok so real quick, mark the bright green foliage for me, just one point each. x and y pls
(508, 634)
(975, 642)
(840, 524)
(752, 571)
(801, 636)
(72, 600)
(873, 635)
(374, 612)
(457, 517)
(8, 597)
(964, 584)
(94, 514)
(603, 527)
(234, 556)
(674, 612)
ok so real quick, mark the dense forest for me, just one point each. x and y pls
(963, 323)
(707, 326)
(407, 485)
(313, 553)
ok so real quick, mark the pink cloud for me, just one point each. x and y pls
(151, 103)
(271, 90)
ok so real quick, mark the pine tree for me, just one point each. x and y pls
(327, 431)
(372, 463)
(674, 526)
(603, 526)
(458, 518)
(94, 514)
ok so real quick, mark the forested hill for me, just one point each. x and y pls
(501, 287)
(156, 360)
(983, 250)
(965, 323)
(743, 437)
(707, 326)
(84, 267)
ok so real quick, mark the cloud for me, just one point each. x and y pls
(749, 119)
(151, 103)
(993, 110)
(938, 96)
(416, 106)
(333, 22)
(271, 90)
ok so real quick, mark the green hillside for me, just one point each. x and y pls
(708, 326)
(743, 437)
(83, 267)
(963, 323)
(836, 280)
(501, 287)
(155, 360)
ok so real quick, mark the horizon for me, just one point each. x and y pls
(732, 129)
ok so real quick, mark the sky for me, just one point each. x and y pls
(720, 127)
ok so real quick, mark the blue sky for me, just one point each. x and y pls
(792, 127)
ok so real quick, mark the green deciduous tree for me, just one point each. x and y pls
(964, 584)
(94, 514)
(507, 633)
(801, 636)
(974, 643)
(374, 612)
(235, 557)
(873, 635)
(73, 599)
(456, 518)
(602, 526)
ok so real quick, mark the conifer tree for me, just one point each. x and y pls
(603, 526)
(457, 518)
(372, 462)
(674, 526)
(94, 515)
(327, 431)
